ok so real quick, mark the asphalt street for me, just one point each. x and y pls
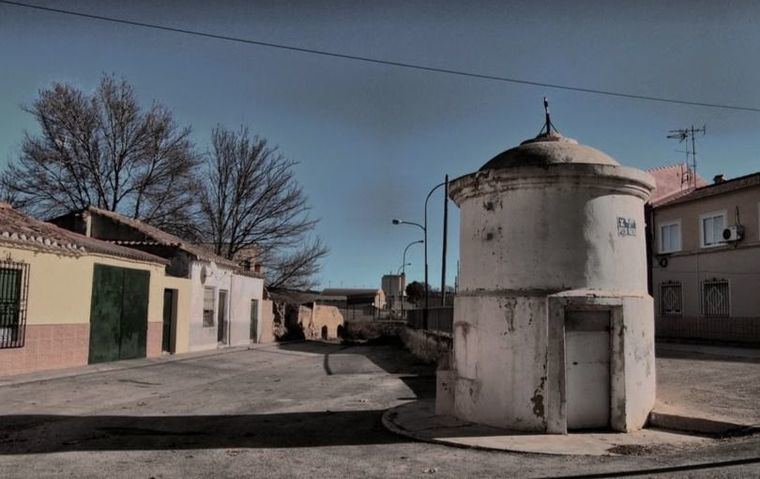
(299, 409)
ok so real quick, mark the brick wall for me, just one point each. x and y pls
(48, 346)
(154, 339)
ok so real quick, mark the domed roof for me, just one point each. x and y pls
(548, 149)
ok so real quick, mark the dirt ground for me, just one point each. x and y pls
(299, 409)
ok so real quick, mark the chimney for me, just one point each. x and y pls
(718, 179)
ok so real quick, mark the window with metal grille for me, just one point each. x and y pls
(670, 298)
(14, 286)
(715, 298)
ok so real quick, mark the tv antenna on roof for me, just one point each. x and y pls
(684, 135)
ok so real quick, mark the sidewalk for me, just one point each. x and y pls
(417, 420)
(702, 390)
(123, 365)
(718, 384)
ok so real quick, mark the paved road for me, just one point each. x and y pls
(304, 409)
(709, 382)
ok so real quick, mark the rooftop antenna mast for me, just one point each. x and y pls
(684, 135)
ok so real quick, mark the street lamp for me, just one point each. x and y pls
(423, 227)
(403, 257)
(402, 268)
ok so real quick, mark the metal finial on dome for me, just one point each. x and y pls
(548, 126)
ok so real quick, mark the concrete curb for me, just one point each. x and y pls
(713, 427)
(743, 353)
(388, 422)
(417, 420)
(128, 364)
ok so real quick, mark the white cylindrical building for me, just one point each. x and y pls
(553, 324)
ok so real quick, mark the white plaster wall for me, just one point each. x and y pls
(244, 289)
(203, 338)
(557, 236)
(500, 360)
(639, 359)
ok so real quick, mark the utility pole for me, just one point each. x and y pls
(445, 234)
(684, 135)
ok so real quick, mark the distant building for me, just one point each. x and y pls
(705, 268)
(67, 300)
(393, 286)
(318, 321)
(286, 309)
(354, 297)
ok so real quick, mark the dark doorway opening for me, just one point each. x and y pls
(169, 335)
(254, 320)
(222, 317)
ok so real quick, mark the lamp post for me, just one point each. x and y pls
(403, 257)
(403, 266)
(423, 227)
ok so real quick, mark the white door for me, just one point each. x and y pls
(587, 367)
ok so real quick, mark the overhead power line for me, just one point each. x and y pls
(412, 66)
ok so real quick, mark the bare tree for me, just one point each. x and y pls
(104, 150)
(253, 201)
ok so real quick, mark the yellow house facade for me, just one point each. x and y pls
(47, 287)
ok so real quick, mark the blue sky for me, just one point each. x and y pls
(371, 140)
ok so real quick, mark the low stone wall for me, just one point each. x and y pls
(372, 330)
(427, 346)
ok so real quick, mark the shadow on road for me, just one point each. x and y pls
(39, 434)
(390, 357)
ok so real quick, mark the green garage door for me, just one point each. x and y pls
(119, 313)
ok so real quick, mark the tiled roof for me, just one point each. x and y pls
(727, 186)
(292, 296)
(19, 229)
(671, 182)
(163, 238)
